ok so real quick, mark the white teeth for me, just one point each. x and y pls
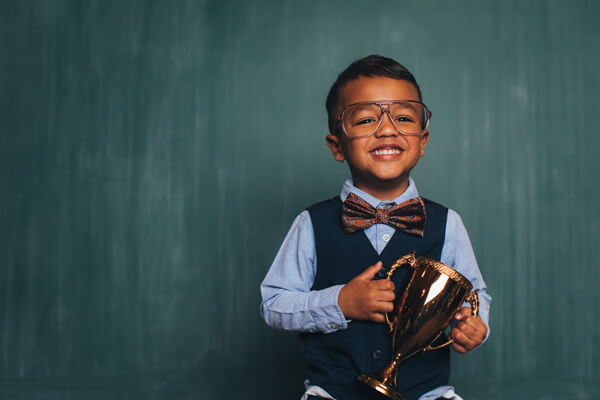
(383, 152)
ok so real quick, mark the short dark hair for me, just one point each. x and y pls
(373, 65)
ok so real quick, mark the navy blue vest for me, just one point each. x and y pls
(336, 359)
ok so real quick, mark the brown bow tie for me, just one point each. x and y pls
(408, 217)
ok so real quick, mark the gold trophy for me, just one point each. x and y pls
(432, 298)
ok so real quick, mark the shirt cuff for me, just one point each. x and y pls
(326, 311)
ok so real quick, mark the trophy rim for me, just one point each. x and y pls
(446, 270)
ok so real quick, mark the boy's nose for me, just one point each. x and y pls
(386, 127)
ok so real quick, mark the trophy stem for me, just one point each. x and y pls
(386, 382)
(388, 374)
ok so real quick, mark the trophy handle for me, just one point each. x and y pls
(411, 261)
(408, 259)
(473, 299)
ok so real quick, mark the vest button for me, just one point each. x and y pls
(376, 354)
(382, 273)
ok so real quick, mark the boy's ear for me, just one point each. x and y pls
(335, 145)
(424, 140)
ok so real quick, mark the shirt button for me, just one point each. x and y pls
(333, 325)
(376, 354)
(386, 237)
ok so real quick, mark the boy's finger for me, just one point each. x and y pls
(386, 295)
(471, 321)
(467, 329)
(478, 328)
(377, 317)
(459, 348)
(462, 339)
(384, 284)
(384, 306)
(369, 273)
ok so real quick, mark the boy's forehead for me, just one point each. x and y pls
(377, 88)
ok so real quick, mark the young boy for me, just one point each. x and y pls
(326, 281)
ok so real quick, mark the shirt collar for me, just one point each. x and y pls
(409, 193)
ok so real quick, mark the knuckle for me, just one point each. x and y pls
(458, 348)
(457, 335)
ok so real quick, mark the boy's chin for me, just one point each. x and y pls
(387, 178)
(382, 182)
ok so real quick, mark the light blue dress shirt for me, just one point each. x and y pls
(289, 304)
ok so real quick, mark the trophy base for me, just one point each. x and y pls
(380, 387)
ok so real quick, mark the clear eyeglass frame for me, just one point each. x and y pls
(381, 104)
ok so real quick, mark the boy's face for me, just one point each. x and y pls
(380, 164)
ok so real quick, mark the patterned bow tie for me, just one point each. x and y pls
(408, 217)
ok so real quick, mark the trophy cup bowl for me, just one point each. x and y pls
(432, 298)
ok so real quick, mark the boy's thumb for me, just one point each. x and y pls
(369, 273)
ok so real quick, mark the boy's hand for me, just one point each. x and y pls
(469, 332)
(366, 299)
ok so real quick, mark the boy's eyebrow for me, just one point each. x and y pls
(361, 105)
(408, 106)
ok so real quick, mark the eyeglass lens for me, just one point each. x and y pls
(364, 119)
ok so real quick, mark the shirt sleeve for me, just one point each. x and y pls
(458, 253)
(288, 302)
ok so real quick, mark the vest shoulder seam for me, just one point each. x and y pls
(433, 203)
(323, 202)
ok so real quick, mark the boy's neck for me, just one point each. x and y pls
(384, 191)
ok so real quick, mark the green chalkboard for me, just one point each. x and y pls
(154, 153)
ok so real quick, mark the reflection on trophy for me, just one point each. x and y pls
(433, 296)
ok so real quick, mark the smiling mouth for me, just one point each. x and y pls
(387, 150)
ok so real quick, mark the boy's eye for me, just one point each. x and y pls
(365, 121)
(403, 118)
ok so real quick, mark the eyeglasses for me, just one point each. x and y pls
(409, 117)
